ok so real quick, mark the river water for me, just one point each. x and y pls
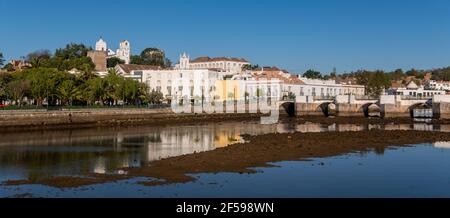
(422, 170)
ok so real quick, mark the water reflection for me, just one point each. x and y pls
(34, 155)
(445, 145)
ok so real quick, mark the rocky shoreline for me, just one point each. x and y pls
(257, 151)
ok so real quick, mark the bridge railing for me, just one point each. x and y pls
(408, 97)
(323, 98)
(366, 97)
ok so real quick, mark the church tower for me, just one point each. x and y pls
(124, 51)
(100, 45)
(184, 62)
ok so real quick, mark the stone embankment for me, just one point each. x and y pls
(26, 120)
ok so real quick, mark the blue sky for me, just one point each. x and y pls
(292, 34)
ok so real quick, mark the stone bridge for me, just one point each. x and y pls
(343, 105)
(402, 106)
(365, 106)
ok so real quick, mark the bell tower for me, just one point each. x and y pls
(124, 51)
(184, 62)
(100, 45)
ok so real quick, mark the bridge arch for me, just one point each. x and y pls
(426, 105)
(289, 108)
(371, 110)
(327, 108)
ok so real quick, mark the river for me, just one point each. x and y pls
(422, 170)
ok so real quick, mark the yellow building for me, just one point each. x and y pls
(229, 90)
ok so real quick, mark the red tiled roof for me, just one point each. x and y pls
(278, 74)
(208, 59)
(127, 68)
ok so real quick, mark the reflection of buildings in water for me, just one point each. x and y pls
(423, 127)
(175, 141)
(285, 128)
(350, 128)
(99, 166)
(311, 127)
(397, 127)
(445, 145)
(444, 128)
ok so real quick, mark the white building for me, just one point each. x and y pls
(101, 45)
(438, 85)
(124, 51)
(413, 90)
(300, 86)
(223, 64)
(174, 83)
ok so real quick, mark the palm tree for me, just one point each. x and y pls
(96, 89)
(113, 81)
(67, 91)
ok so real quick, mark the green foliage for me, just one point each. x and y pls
(5, 78)
(151, 56)
(17, 89)
(9, 67)
(312, 74)
(377, 82)
(48, 80)
(155, 97)
(415, 73)
(1, 59)
(250, 67)
(73, 56)
(442, 74)
(112, 62)
(72, 51)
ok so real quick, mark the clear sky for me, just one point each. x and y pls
(292, 34)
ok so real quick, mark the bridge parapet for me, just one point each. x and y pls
(441, 106)
(352, 105)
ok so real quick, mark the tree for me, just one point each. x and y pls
(397, 75)
(96, 90)
(70, 57)
(72, 51)
(250, 67)
(17, 90)
(5, 78)
(45, 82)
(378, 81)
(136, 59)
(9, 67)
(1, 59)
(40, 54)
(112, 62)
(155, 97)
(67, 91)
(113, 82)
(312, 74)
(151, 56)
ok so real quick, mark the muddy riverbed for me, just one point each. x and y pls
(258, 150)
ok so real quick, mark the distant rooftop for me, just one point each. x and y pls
(133, 67)
(208, 59)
